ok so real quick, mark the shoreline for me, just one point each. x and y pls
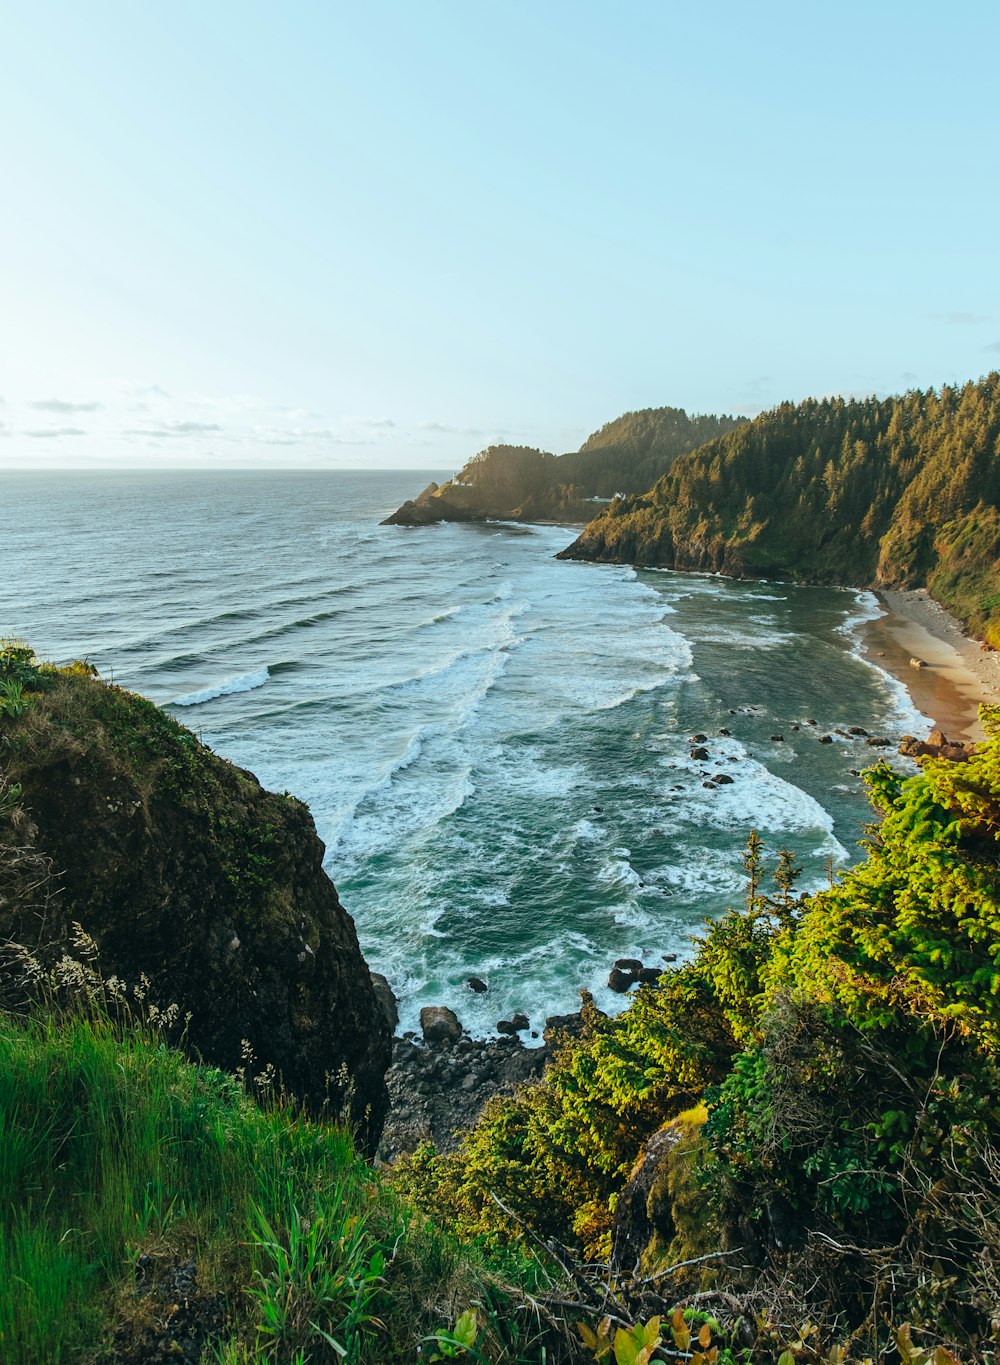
(958, 674)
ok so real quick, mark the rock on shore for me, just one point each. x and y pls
(438, 1088)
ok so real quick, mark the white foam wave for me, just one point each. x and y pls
(632, 917)
(866, 608)
(585, 831)
(713, 872)
(756, 797)
(906, 715)
(762, 636)
(246, 682)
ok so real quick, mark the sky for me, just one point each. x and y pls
(237, 233)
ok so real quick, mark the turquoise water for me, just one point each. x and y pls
(495, 744)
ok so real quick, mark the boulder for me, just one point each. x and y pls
(387, 999)
(477, 984)
(650, 975)
(699, 753)
(521, 1022)
(722, 779)
(620, 981)
(826, 739)
(936, 745)
(439, 1024)
(632, 965)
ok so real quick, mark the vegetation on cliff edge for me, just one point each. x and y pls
(183, 868)
(788, 1148)
(846, 1049)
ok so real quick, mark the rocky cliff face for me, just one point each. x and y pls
(183, 868)
(628, 532)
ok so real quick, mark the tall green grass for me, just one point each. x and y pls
(113, 1147)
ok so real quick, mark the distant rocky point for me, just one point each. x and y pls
(521, 483)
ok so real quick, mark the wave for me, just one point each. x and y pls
(246, 682)
(907, 715)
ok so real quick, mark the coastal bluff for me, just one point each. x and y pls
(522, 483)
(900, 493)
(199, 887)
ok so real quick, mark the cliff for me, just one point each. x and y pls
(183, 869)
(520, 483)
(898, 492)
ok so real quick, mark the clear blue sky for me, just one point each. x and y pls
(388, 233)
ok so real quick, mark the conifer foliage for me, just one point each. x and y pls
(831, 1068)
(900, 491)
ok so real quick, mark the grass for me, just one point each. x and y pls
(121, 1162)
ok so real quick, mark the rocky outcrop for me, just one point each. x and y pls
(936, 745)
(428, 508)
(438, 1090)
(629, 971)
(184, 870)
(611, 537)
(650, 1210)
(438, 1087)
(386, 997)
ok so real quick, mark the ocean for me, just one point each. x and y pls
(495, 744)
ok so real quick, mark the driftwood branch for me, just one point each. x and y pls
(683, 1265)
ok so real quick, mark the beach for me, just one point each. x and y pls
(958, 674)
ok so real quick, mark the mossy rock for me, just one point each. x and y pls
(183, 868)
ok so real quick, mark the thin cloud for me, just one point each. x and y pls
(444, 429)
(148, 391)
(378, 423)
(64, 406)
(171, 429)
(993, 346)
(45, 433)
(325, 434)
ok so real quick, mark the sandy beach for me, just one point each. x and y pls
(958, 674)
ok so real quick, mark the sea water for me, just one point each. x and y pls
(495, 744)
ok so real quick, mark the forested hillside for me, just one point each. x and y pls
(901, 491)
(625, 456)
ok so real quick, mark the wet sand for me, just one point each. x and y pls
(958, 673)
